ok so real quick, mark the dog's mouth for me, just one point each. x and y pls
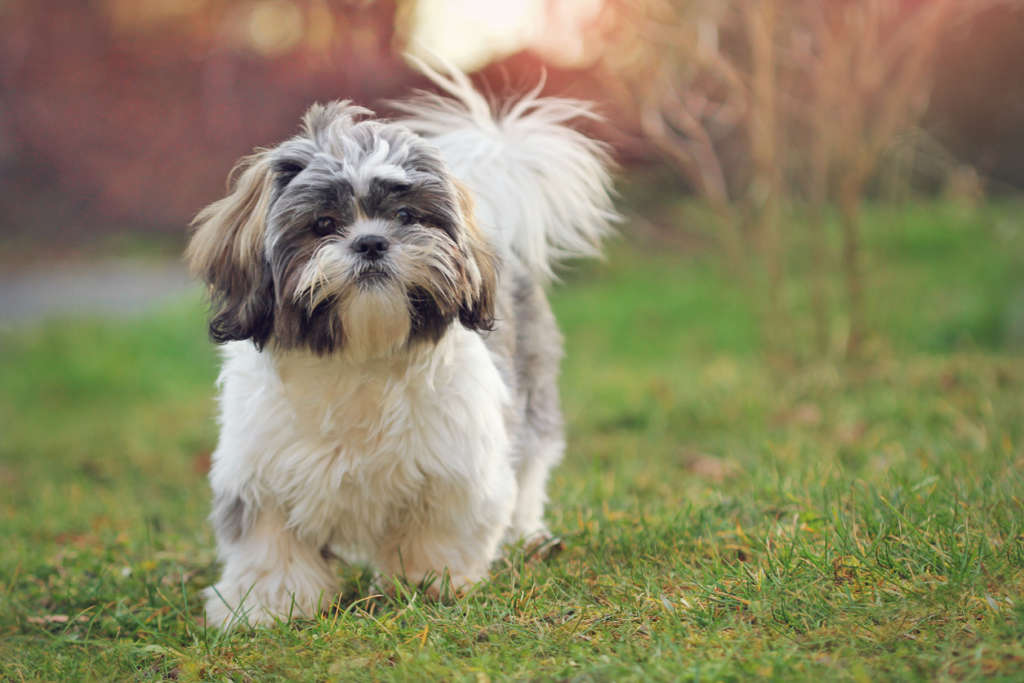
(372, 276)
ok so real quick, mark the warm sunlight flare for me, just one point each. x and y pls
(470, 33)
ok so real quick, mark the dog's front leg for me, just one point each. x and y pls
(455, 540)
(269, 573)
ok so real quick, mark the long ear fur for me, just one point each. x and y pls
(476, 311)
(226, 251)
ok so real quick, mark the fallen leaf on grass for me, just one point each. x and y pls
(201, 462)
(851, 433)
(7, 476)
(802, 414)
(55, 619)
(709, 467)
(176, 578)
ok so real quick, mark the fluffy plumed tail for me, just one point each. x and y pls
(542, 188)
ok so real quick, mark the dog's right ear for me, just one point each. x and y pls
(226, 251)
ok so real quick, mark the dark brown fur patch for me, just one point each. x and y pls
(477, 309)
(226, 252)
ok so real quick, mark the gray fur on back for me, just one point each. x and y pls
(527, 348)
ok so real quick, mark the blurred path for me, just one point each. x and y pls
(110, 288)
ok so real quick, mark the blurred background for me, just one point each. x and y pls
(755, 130)
(792, 388)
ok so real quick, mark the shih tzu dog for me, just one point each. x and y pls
(389, 390)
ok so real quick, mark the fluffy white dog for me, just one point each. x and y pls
(389, 389)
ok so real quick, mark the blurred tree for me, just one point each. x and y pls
(701, 77)
(869, 68)
(813, 91)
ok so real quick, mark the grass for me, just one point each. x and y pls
(728, 512)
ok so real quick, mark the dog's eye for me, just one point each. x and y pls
(404, 216)
(325, 225)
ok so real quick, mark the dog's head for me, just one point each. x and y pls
(350, 237)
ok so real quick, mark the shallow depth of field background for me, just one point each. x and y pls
(794, 388)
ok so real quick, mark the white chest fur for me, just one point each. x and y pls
(352, 453)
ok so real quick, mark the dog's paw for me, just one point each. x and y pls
(227, 609)
(434, 587)
(222, 612)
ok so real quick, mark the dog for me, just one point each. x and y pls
(388, 393)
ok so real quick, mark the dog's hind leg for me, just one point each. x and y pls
(528, 519)
(541, 440)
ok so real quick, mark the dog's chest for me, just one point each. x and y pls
(363, 452)
(351, 456)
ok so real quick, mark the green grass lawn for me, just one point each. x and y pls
(729, 510)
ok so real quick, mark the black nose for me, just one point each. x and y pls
(371, 247)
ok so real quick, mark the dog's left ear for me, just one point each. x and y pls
(480, 280)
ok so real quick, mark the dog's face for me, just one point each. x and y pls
(349, 237)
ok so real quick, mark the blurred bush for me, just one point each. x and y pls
(126, 115)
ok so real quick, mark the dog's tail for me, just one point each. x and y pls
(542, 188)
